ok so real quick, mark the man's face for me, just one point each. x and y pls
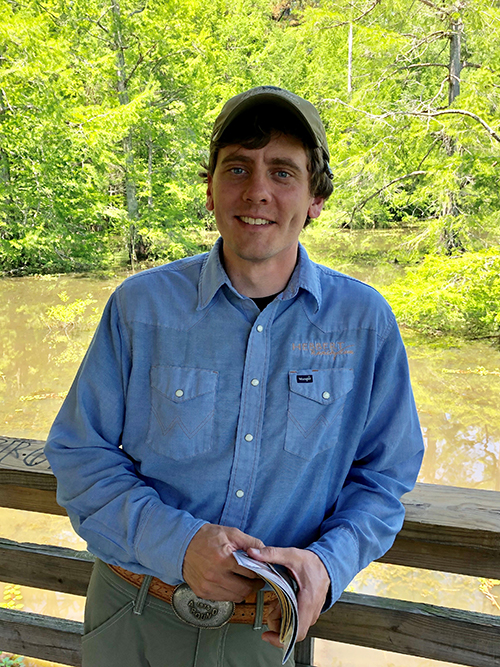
(260, 198)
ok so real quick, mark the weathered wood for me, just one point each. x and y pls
(40, 636)
(450, 529)
(33, 500)
(446, 528)
(304, 653)
(427, 631)
(26, 480)
(23, 454)
(44, 566)
(472, 511)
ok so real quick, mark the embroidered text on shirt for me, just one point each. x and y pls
(333, 348)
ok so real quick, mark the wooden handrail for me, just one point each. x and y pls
(446, 528)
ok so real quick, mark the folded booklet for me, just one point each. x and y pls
(284, 585)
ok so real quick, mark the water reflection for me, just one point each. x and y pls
(456, 391)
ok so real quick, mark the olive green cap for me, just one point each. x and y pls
(301, 109)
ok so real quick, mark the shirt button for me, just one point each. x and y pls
(326, 395)
(255, 382)
(260, 328)
(240, 493)
(249, 437)
(179, 393)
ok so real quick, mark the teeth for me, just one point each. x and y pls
(255, 221)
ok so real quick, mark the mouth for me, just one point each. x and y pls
(255, 221)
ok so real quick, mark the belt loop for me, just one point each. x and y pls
(142, 594)
(259, 610)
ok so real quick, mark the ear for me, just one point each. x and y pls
(316, 207)
(209, 204)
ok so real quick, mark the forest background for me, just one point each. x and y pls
(106, 108)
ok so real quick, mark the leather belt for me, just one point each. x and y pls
(244, 612)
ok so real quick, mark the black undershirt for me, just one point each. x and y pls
(262, 301)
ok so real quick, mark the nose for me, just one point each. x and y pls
(257, 188)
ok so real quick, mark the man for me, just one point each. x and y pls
(242, 399)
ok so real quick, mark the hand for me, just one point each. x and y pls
(313, 581)
(210, 568)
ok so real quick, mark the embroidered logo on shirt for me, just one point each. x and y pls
(331, 349)
(304, 378)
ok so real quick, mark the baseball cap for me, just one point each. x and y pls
(305, 112)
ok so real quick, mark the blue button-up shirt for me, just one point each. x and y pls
(296, 424)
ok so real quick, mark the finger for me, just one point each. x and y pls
(273, 555)
(272, 638)
(242, 540)
(274, 625)
(244, 572)
(238, 588)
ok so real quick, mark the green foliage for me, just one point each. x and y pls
(12, 597)
(452, 295)
(67, 315)
(11, 661)
(106, 110)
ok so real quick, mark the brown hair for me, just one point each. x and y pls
(254, 129)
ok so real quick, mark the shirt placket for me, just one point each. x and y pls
(250, 421)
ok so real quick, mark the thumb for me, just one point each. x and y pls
(245, 542)
(270, 554)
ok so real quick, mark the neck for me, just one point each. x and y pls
(258, 279)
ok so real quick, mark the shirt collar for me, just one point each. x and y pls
(305, 276)
(213, 276)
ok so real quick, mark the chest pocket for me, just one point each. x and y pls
(316, 401)
(182, 411)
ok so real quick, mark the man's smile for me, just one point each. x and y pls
(255, 221)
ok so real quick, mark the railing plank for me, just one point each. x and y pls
(446, 528)
(427, 631)
(38, 636)
(26, 498)
(45, 566)
(450, 529)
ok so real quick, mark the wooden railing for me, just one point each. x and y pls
(446, 528)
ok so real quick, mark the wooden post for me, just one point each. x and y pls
(304, 653)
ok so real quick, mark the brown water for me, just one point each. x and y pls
(456, 390)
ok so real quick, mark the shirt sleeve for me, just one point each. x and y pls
(122, 519)
(368, 513)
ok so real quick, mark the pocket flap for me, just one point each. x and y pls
(180, 384)
(322, 386)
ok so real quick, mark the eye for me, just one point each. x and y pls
(237, 171)
(282, 173)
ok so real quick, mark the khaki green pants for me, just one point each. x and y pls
(123, 631)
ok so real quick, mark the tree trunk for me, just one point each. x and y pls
(150, 171)
(127, 142)
(455, 59)
(349, 62)
(450, 238)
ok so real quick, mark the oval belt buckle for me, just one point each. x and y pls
(198, 612)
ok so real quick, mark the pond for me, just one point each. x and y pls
(456, 390)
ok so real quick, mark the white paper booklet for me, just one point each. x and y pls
(283, 584)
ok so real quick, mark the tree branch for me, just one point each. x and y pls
(140, 60)
(458, 112)
(422, 114)
(439, 10)
(363, 203)
(429, 39)
(358, 18)
(137, 11)
(398, 69)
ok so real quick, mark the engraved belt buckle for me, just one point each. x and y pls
(198, 612)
